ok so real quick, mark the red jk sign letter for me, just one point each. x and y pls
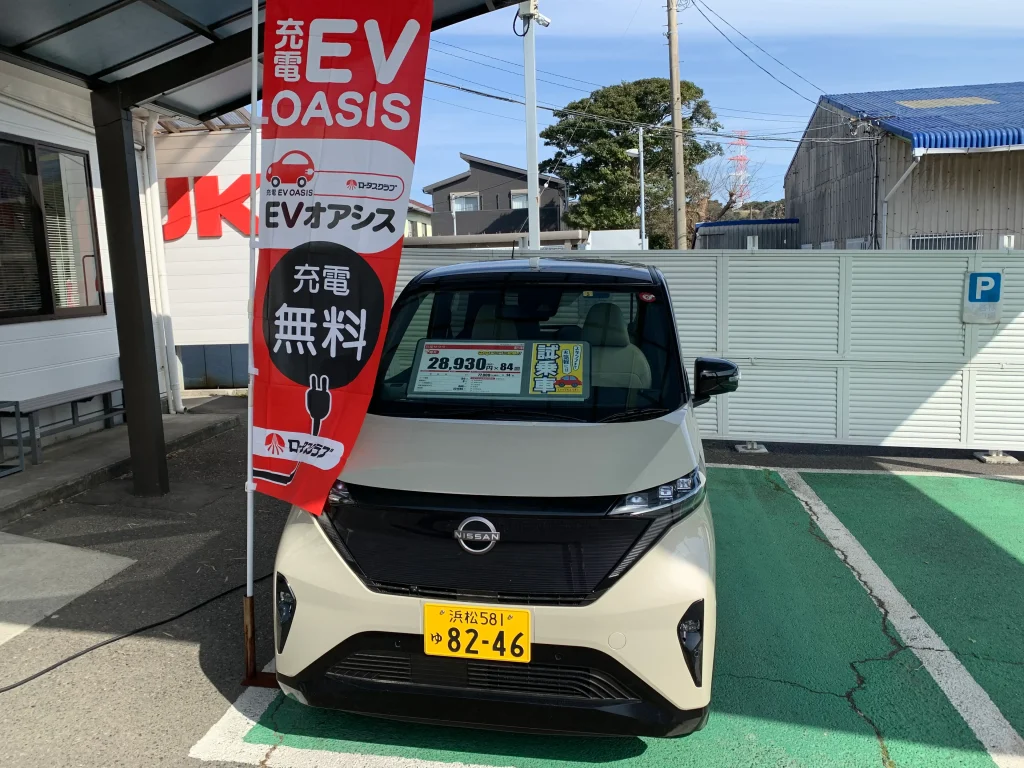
(179, 209)
(212, 205)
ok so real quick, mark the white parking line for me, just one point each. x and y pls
(897, 472)
(224, 742)
(1003, 744)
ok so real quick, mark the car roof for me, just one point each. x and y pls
(542, 270)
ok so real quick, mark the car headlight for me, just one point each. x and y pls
(339, 494)
(686, 491)
(666, 505)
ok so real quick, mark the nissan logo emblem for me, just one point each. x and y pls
(476, 535)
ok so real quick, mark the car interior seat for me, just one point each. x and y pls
(489, 326)
(614, 360)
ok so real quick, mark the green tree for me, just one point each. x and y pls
(603, 182)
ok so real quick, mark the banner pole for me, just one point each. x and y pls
(249, 612)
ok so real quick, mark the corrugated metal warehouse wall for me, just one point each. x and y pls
(974, 194)
(831, 188)
(850, 347)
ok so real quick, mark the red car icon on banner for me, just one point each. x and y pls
(294, 167)
(568, 381)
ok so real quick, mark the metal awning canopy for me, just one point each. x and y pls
(187, 57)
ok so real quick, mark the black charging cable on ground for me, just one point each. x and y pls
(124, 635)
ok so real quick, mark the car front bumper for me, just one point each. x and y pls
(620, 655)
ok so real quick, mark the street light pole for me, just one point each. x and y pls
(643, 201)
(639, 154)
(531, 16)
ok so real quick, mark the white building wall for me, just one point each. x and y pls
(207, 277)
(40, 358)
(50, 356)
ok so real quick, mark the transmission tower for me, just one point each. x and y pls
(740, 187)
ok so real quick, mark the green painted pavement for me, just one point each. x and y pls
(792, 618)
(955, 548)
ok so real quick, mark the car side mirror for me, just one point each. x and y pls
(714, 376)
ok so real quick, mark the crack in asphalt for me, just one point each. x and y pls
(793, 683)
(861, 681)
(264, 763)
(898, 646)
(769, 475)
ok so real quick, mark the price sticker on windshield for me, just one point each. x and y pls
(460, 368)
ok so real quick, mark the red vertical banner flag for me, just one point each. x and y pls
(342, 93)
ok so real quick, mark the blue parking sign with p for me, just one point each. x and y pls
(984, 287)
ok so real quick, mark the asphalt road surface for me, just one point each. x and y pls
(865, 619)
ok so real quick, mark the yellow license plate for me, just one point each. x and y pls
(476, 632)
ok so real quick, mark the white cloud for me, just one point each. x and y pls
(760, 19)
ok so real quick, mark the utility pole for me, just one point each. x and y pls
(451, 207)
(678, 147)
(531, 16)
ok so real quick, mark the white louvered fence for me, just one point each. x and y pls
(854, 347)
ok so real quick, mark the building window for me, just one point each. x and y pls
(960, 242)
(49, 262)
(466, 202)
(520, 200)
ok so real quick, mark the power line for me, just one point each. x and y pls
(514, 64)
(590, 103)
(567, 77)
(817, 103)
(510, 72)
(749, 57)
(636, 124)
(752, 112)
(758, 119)
(819, 89)
(474, 82)
(473, 109)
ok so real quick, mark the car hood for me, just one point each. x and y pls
(509, 458)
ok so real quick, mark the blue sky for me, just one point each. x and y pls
(841, 46)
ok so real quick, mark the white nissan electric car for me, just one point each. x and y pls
(521, 538)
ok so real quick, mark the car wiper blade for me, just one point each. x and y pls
(635, 414)
(503, 414)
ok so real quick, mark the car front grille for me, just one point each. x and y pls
(542, 557)
(501, 678)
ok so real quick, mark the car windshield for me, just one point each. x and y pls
(531, 352)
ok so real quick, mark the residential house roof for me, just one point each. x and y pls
(551, 180)
(957, 116)
(422, 207)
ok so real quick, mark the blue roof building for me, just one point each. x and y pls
(954, 117)
(921, 169)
